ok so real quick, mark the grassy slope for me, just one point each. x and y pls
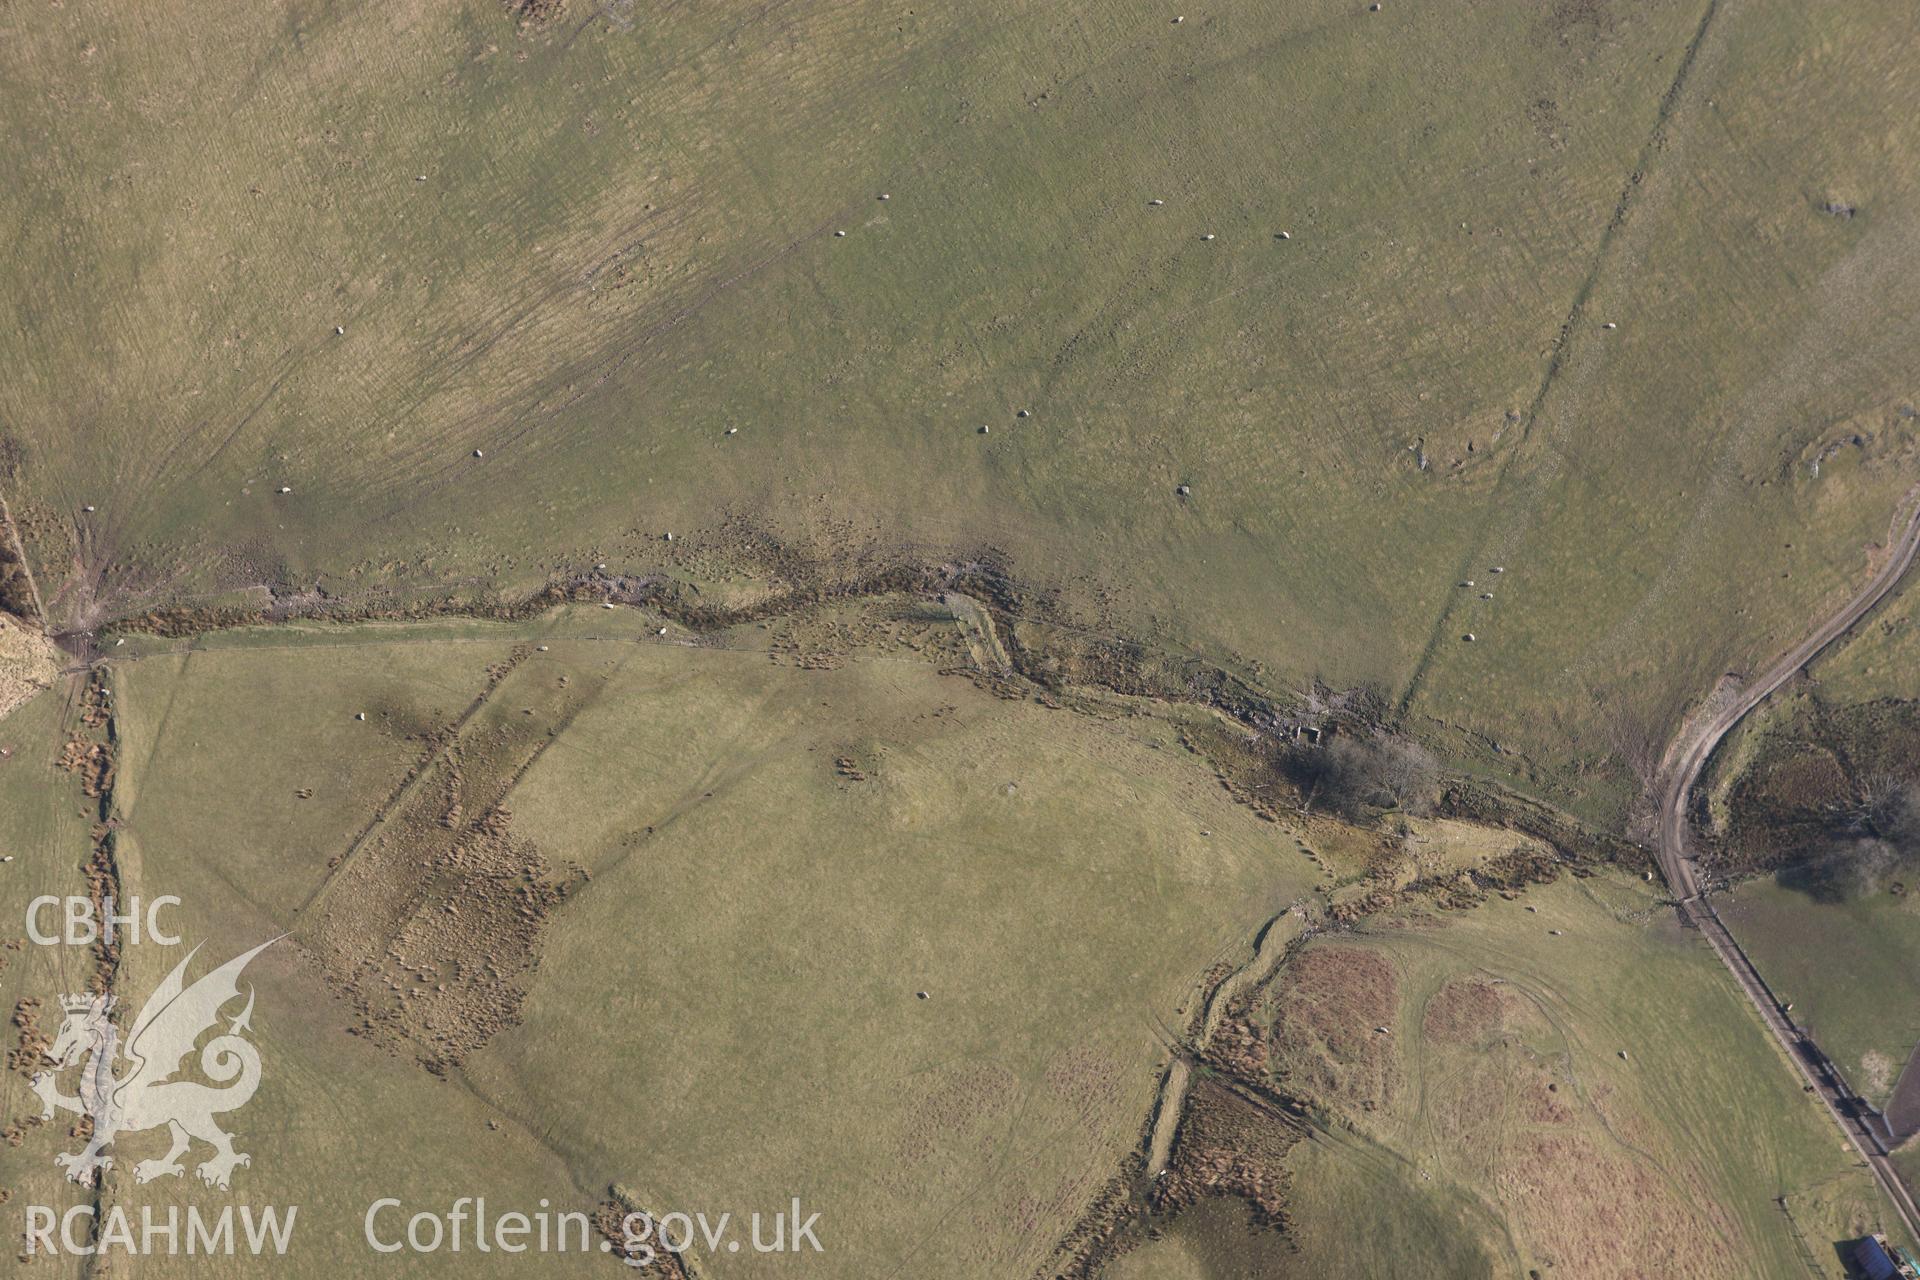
(1701, 1100)
(731, 991)
(726, 986)
(43, 828)
(1847, 966)
(1848, 969)
(1881, 659)
(216, 744)
(1668, 525)
(728, 991)
(622, 248)
(1668, 1162)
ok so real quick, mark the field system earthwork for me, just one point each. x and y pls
(1100, 643)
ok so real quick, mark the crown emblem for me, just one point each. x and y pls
(81, 1003)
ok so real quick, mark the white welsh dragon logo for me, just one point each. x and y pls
(158, 1043)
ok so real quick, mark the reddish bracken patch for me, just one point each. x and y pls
(1546, 1102)
(1463, 1011)
(1328, 1003)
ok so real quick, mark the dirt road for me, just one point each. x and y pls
(1686, 759)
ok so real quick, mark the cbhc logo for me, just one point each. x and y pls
(83, 929)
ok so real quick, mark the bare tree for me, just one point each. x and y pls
(1882, 806)
(1354, 776)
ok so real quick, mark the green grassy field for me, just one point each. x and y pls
(1843, 953)
(1878, 659)
(336, 1123)
(1495, 1127)
(45, 834)
(1672, 523)
(709, 1012)
(723, 1012)
(1845, 966)
(718, 995)
(1510, 372)
(589, 248)
(962, 866)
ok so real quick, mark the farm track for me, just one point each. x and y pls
(1685, 760)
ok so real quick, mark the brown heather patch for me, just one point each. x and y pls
(1326, 1006)
(1463, 1011)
